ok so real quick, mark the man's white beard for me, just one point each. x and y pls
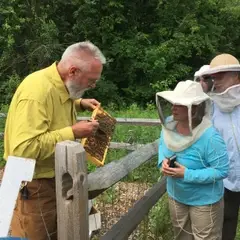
(75, 92)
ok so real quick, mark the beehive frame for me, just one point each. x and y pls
(91, 157)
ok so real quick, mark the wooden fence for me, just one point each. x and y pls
(74, 186)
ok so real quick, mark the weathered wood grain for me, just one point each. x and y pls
(71, 173)
(127, 146)
(106, 176)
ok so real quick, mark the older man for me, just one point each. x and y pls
(43, 113)
(224, 70)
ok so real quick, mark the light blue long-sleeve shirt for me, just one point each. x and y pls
(206, 163)
(228, 125)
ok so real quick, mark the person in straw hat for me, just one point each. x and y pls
(195, 179)
(225, 73)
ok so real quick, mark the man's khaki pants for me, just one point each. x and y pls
(196, 222)
(36, 217)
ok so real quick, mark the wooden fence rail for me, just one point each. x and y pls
(126, 121)
(106, 176)
(126, 225)
(132, 121)
(121, 121)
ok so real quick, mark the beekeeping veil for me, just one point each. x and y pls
(205, 80)
(186, 93)
(201, 71)
(230, 97)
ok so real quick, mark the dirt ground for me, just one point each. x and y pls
(115, 203)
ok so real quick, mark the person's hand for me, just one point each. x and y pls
(84, 129)
(89, 104)
(177, 172)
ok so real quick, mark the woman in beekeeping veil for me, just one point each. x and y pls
(195, 179)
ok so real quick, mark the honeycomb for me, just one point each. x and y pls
(97, 146)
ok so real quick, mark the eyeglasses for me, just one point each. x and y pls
(91, 81)
(220, 76)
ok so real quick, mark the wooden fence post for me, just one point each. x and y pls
(72, 210)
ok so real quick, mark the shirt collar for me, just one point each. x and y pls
(57, 81)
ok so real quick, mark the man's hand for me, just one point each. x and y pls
(89, 104)
(178, 171)
(84, 129)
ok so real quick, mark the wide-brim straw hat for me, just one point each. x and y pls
(223, 63)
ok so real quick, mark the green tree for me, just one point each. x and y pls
(150, 45)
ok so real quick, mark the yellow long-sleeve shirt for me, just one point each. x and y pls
(40, 115)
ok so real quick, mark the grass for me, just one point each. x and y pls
(123, 133)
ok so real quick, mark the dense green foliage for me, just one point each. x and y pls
(150, 45)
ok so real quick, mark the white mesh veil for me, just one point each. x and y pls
(186, 93)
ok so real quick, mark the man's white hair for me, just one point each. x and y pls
(86, 46)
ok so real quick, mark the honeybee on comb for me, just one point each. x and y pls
(97, 146)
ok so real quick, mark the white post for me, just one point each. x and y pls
(17, 170)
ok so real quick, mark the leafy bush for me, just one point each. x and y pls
(149, 45)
